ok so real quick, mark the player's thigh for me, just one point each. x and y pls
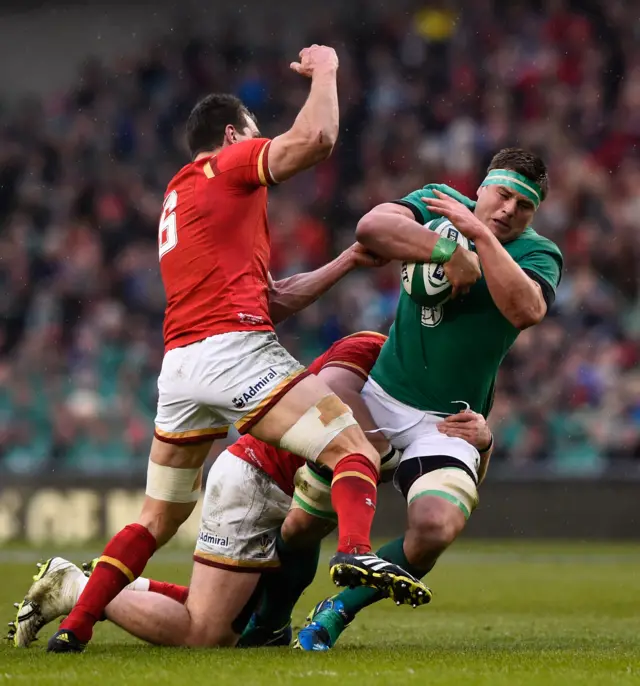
(242, 512)
(220, 604)
(185, 419)
(311, 421)
(249, 380)
(185, 429)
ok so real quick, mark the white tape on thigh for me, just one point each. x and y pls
(173, 485)
(310, 435)
(452, 484)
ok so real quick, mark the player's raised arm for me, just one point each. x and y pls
(315, 130)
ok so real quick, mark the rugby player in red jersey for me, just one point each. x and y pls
(253, 491)
(264, 514)
(223, 364)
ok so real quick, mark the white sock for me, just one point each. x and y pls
(139, 584)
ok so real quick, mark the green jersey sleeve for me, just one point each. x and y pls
(544, 259)
(420, 211)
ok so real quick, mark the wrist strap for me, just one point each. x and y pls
(443, 250)
(484, 450)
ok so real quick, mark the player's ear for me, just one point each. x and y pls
(230, 135)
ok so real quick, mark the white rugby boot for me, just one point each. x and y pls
(54, 591)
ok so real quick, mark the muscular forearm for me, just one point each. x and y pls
(396, 237)
(517, 296)
(319, 117)
(291, 295)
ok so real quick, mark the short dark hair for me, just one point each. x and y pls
(524, 162)
(209, 118)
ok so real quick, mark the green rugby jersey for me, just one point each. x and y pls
(437, 356)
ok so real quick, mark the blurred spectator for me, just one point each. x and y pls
(425, 97)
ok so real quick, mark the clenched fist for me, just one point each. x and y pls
(314, 59)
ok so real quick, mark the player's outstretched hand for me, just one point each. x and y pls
(460, 216)
(468, 425)
(361, 257)
(315, 58)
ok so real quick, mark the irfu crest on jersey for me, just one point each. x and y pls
(431, 316)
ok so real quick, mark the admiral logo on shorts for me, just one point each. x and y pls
(241, 400)
(214, 539)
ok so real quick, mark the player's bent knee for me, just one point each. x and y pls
(211, 637)
(302, 530)
(318, 427)
(440, 502)
(349, 442)
(434, 525)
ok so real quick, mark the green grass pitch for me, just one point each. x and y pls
(503, 614)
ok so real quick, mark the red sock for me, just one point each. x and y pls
(122, 561)
(353, 496)
(179, 593)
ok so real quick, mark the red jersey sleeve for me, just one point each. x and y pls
(245, 164)
(357, 353)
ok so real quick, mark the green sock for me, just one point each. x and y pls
(282, 589)
(356, 599)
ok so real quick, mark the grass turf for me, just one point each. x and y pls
(503, 614)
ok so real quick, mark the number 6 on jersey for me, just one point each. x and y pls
(168, 231)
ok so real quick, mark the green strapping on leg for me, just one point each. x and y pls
(446, 496)
(309, 509)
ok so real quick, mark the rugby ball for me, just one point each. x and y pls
(426, 283)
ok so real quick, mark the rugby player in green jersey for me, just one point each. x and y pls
(438, 361)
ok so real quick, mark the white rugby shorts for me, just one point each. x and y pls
(414, 431)
(242, 512)
(231, 378)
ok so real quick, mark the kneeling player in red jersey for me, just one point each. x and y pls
(255, 499)
(223, 364)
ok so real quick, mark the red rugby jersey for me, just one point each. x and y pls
(214, 245)
(357, 353)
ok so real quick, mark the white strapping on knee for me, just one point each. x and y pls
(310, 435)
(173, 485)
(312, 494)
(452, 484)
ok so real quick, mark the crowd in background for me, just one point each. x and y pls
(425, 96)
